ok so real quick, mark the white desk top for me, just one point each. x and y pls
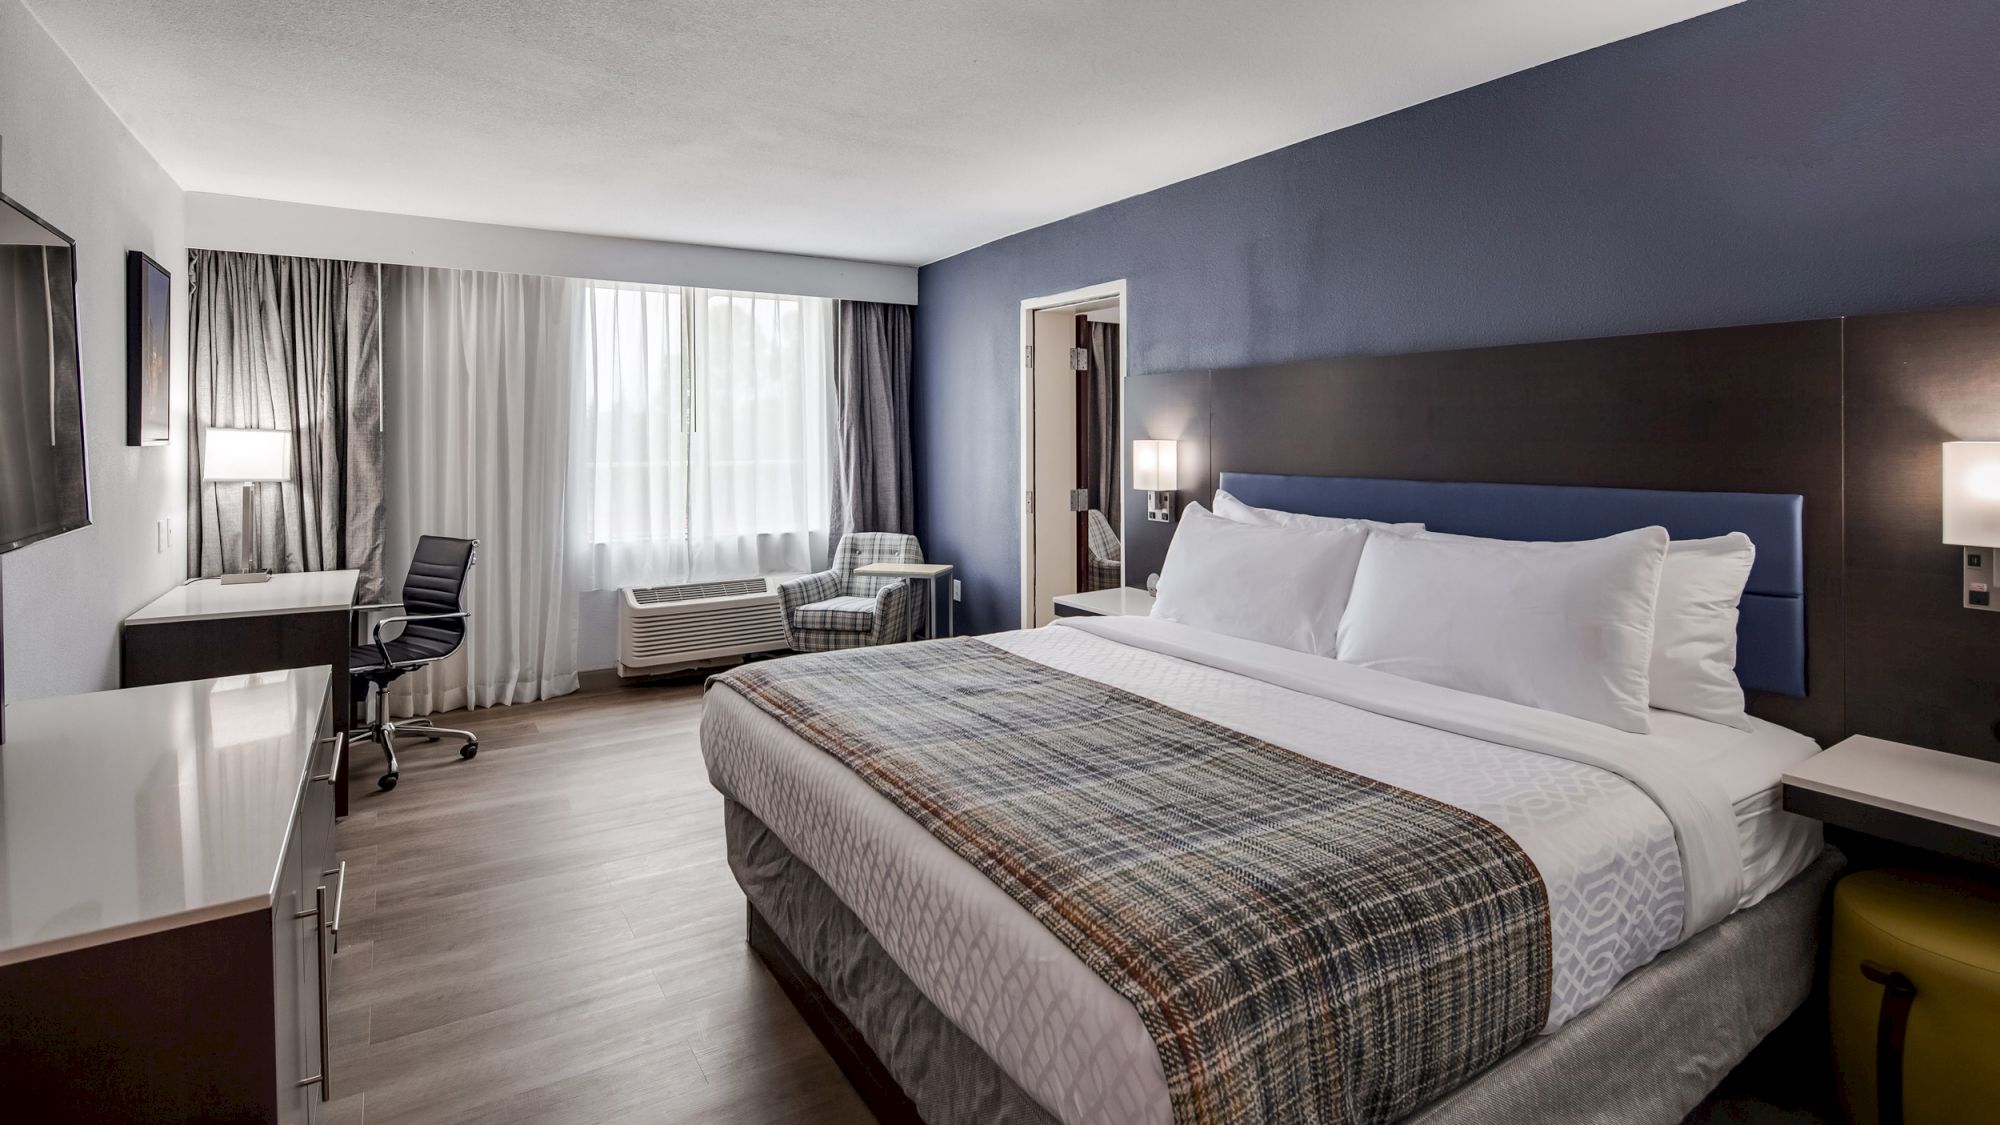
(134, 811)
(1121, 601)
(207, 599)
(1948, 788)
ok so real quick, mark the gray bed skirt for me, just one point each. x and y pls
(1646, 1055)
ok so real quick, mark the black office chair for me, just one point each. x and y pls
(433, 627)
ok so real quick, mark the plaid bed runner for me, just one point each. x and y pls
(1304, 944)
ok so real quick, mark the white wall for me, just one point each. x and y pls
(69, 159)
(263, 226)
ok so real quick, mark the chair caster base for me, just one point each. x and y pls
(467, 750)
(386, 782)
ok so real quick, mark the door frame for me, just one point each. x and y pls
(1088, 294)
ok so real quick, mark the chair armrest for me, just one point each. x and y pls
(405, 617)
(805, 590)
(808, 589)
(382, 647)
(357, 617)
(894, 606)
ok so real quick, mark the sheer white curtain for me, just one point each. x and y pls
(481, 373)
(709, 446)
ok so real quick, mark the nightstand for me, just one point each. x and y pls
(1927, 799)
(1122, 601)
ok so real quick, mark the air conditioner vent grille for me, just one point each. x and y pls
(730, 588)
(696, 624)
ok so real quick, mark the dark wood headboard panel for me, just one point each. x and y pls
(1847, 413)
(1920, 668)
(1753, 409)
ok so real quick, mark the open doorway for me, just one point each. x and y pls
(1073, 348)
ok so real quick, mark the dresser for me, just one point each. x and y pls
(169, 899)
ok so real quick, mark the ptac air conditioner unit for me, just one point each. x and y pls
(675, 628)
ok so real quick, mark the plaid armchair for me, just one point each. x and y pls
(834, 609)
(1106, 554)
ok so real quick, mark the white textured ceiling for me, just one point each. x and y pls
(885, 130)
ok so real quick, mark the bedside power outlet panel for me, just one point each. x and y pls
(1979, 579)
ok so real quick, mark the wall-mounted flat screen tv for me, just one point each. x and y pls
(44, 488)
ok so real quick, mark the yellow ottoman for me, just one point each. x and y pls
(1916, 958)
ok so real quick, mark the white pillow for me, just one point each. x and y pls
(1230, 508)
(1694, 628)
(1564, 627)
(1281, 586)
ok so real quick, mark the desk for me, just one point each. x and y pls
(928, 574)
(1927, 799)
(204, 628)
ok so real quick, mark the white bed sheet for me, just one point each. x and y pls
(1608, 854)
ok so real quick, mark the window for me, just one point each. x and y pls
(709, 444)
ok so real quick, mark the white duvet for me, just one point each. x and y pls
(1641, 840)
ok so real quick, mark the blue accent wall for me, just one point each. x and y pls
(1778, 160)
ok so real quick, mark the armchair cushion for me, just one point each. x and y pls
(839, 615)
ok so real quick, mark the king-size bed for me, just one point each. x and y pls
(1128, 870)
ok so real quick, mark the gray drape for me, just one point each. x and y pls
(1100, 430)
(874, 486)
(280, 343)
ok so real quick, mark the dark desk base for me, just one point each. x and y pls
(169, 652)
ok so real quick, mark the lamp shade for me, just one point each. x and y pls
(1155, 465)
(1972, 493)
(247, 455)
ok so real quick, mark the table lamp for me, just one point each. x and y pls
(249, 458)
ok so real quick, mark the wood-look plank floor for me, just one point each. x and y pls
(550, 933)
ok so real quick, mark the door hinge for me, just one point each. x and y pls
(1031, 502)
(1079, 359)
(1029, 357)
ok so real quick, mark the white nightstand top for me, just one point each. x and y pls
(1121, 601)
(1928, 784)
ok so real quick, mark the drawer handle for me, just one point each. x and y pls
(339, 898)
(339, 751)
(324, 1078)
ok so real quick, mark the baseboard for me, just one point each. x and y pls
(599, 679)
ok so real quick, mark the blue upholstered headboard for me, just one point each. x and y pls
(1771, 630)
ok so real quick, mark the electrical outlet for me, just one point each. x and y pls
(957, 592)
(163, 535)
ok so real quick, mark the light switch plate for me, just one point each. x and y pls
(957, 595)
(1978, 578)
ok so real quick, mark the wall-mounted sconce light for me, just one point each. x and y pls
(1156, 472)
(1972, 514)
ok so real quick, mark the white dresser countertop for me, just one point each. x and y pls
(129, 812)
(207, 598)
